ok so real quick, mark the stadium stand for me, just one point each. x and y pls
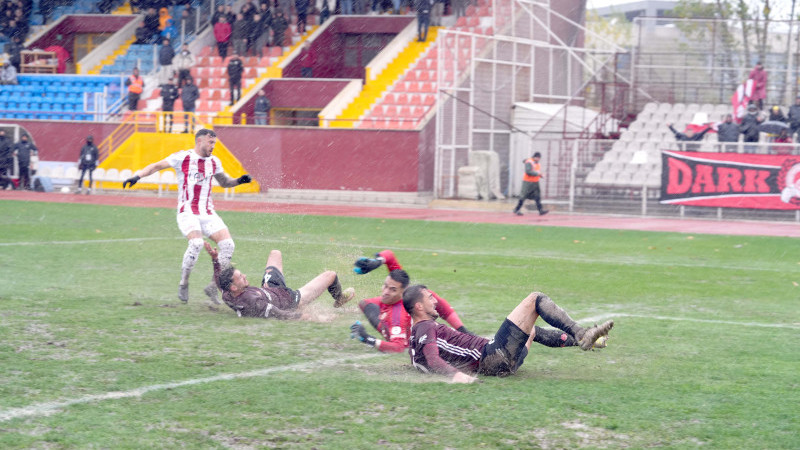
(56, 97)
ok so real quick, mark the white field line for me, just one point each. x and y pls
(604, 317)
(46, 408)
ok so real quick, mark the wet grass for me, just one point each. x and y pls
(702, 353)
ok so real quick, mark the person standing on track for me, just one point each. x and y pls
(530, 184)
(196, 216)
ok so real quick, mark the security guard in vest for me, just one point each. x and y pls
(530, 184)
(135, 85)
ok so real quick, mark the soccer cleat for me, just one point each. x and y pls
(183, 292)
(519, 213)
(346, 296)
(543, 212)
(211, 292)
(593, 334)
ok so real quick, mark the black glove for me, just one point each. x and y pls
(357, 331)
(366, 265)
(130, 181)
(244, 179)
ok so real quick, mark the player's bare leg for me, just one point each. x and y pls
(226, 247)
(329, 281)
(195, 245)
(275, 259)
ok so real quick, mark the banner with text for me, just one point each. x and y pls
(730, 180)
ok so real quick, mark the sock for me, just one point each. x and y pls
(373, 312)
(226, 247)
(551, 337)
(557, 317)
(519, 205)
(190, 258)
(335, 289)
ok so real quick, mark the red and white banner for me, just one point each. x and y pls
(740, 99)
(730, 180)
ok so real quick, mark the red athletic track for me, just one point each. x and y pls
(691, 226)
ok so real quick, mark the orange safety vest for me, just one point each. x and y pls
(137, 85)
(536, 167)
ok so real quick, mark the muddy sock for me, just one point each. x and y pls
(335, 289)
(373, 312)
(551, 337)
(557, 317)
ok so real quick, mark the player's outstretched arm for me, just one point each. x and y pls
(227, 182)
(148, 170)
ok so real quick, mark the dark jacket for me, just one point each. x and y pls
(165, 55)
(262, 104)
(89, 156)
(6, 156)
(235, 69)
(189, 95)
(240, 28)
(794, 116)
(682, 137)
(24, 151)
(749, 127)
(728, 132)
(169, 93)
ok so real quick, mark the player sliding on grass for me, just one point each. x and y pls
(436, 348)
(196, 215)
(273, 298)
(387, 315)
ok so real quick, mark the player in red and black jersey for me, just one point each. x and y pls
(273, 298)
(436, 348)
(388, 316)
(386, 313)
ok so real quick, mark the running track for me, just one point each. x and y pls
(555, 219)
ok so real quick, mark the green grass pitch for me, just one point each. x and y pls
(97, 352)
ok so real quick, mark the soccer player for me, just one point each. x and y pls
(386, 313)
(196, 215)
(273, 298)
(436, 348)
(394, 324)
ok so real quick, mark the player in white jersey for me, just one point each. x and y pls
(196, 215)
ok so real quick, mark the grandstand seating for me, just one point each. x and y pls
(54, 97)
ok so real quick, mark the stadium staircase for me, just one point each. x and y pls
(140, 140)
(407, 100)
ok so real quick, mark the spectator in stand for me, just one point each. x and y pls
(136, 6)
(229, 14)
(189, 95)
(248, 10)
(302, 13)
(749, 126)
(346, 7)
(266, 14)
(46, 9)
(235, 71)
(423, 8)
(169, 93)
(135, 85)
(24, 150)
(170, 32)
(285, 6)
(222, 33)
(239, 35)
(261, 108)
(759, 77)
(308, 57)
(324, 12)
(8, 74)
(104, 6)
(142, 34)
(165, 56)
(794, 117)
(220, 12)
(14, 50)
(183, 62)
(279, 27)
(776, 114)
(6, 155)
(259, 35)
(436, 13)
(163, 18)
(87, 162)
(152, 24)
(688, 136)
(783, 141)
(460, 8)
(728, 131)
(187, 23)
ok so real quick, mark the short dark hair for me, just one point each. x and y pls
(412, 296)
(537, 155)
(225, 278)
(204, 132)
(401, 277)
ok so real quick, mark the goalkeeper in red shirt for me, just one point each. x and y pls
(387, 315)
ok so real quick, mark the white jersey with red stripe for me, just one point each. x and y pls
(194, 175)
